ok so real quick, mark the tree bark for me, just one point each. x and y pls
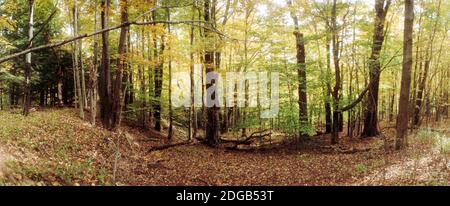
(212, 112)
(423, 81)
(403, 114)
(28, 67)
(93, 73)
(336, 59)
(371, 113)
(76, 52)
(301, 72)
(105, 74)
(170, 133)
(121, 62)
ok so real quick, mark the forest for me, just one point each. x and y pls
(224, 92)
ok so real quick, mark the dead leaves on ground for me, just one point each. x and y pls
(54, 147)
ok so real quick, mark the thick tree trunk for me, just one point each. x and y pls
(371, 113)
(403, 113)
(301, 72)
(212, 112)
(105, 74)
(121, 63)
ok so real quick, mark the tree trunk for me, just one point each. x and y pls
(371, 113)
(93, 74)
(301, 73)
(192, 112)
(158, 86)
(336, 98)
(212, 112)
(105, 73)
(28, 67)
(328, 116)
(403, 113)
(121, 62)
(76, 51)
(170, 133)
(422, 86)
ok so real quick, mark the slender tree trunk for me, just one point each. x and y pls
(170, 134)
(328, 116)
(1, 99)
(158, 86)
(371, 113)
(423, 81)
(192, 111)
(336, 58)
(402, 118)
(28, 67)
(76, 53)
(93, 73)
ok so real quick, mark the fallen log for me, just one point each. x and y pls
(248, 140)
(167, 146)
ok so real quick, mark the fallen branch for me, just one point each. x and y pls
(249, 139)
(167, 146)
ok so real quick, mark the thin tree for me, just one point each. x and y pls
(170, 134)
(336, 59)
(93, 72)
(76, 62)
(28, 67)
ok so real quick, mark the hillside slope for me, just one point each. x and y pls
(54, 147)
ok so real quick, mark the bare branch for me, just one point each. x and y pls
(197, 23)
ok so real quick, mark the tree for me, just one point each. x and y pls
(371, 113)
(28, 66)
(93, 71)
(337, 71)
(403, 114)
(212, 111)
(426, 69)
(301, 72)
(105, 73)
(77, 63)
(121, 63)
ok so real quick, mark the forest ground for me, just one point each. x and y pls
(54, 147)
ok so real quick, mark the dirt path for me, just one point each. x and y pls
(425, 166)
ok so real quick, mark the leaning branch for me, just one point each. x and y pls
(197, 23)
(356, 101)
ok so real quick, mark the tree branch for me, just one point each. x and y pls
(126, 24)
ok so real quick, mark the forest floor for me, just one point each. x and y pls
(54, 147)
